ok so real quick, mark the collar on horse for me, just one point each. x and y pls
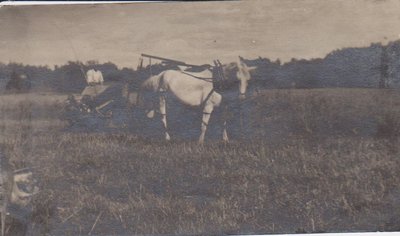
(218, 72)
(221, 83)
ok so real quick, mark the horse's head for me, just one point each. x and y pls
(243, 75)
(238, 73)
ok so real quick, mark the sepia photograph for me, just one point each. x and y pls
(200, 118)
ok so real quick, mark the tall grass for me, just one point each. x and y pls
(325, 113)
(299, 170)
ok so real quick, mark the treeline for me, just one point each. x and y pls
(68, 78)
(376, 66)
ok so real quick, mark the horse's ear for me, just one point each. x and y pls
(240, 63)
(243, 65)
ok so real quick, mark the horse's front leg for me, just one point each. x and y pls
(163, 112)
(224, 132)
(207, 110)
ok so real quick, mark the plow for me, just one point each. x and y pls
(99, 107)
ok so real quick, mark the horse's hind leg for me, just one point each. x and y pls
(207, 110)
(163, 111)
(224, 116)
(224, 133)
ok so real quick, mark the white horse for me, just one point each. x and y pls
(192, 89)
(94, 77)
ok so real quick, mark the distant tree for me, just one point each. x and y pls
(19, 82)
(383, 82)
(110, 71)
(92, 62)
(3, 71)
(69, 78)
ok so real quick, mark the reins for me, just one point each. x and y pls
(197, 77)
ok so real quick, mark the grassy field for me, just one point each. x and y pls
(324, 160)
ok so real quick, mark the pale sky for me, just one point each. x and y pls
(194, 32)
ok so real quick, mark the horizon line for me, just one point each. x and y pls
(282, 62)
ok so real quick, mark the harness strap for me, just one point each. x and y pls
(208, 97)
(160, 82)
(197, 77)
(218, 69)
(221, 71)
(162, 94)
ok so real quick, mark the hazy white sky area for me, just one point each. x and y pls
(194, 32)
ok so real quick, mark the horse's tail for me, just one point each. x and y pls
(141, 90)
(151, 84)
(140, 97)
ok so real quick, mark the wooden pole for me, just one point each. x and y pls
(151, 73)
